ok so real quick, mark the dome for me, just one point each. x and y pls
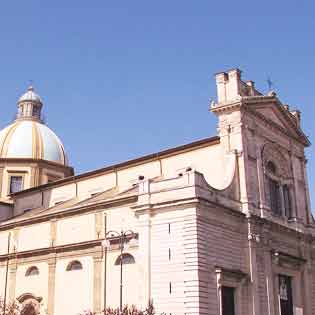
(30, 96)
(31, 139)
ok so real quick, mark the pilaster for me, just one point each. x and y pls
(253, 239)
(145, 248)
(51, 285)
(97, 285)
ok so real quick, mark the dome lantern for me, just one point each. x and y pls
(29, 105)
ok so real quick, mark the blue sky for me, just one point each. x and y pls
(125, 78)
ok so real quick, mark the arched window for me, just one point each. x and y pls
(274, 188)
(74, 265)
(127, 259)
(32, 271)
(271, 167)
(287, 201)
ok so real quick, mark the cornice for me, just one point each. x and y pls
(52, 250)
(70, 212)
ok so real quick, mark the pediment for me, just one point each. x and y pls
(270, 114)
(278, 116)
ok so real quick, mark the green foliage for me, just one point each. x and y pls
(127, 310)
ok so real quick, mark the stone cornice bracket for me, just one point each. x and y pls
(225, 274)
(284, 259)
(228, 106)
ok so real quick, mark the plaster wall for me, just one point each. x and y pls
(26, 202)
(95, 185)
(128, 176)
(59, 194)
(2, 280)
(4, 242)
(132, 280)
(76, 229)
(35, 284)
(74, 289)
(34, 236)
(216, 166)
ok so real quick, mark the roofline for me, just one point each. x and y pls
(31, 160)
(153, 156)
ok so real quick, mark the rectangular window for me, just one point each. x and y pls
(287, 201)
(285, 295)
(275, 203)
(16, 184)
(228, 300)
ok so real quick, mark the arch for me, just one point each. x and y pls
(30, 304)
(32, 271)
(127, 259)
(271, 153)
(271, 167)
(28, 296)
(74, 265)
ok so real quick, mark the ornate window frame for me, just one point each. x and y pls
(282, 175)
(234, 279)
(293, 267)
(12, 173)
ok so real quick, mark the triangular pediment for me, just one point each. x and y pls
(278, 116)
(270, 114)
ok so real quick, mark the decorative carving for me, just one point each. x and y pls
(271, 152)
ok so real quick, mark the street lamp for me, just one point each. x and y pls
(122, 238)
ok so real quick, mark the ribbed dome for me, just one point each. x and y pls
(30, 96)
(31, 139)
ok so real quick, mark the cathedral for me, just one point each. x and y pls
(219, 226)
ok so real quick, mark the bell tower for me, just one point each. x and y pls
(263, 132)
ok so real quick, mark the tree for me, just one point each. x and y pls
(11, 308)
(16, 308)
(127, 310)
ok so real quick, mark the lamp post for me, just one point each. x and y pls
(122, 238)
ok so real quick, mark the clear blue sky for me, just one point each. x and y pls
(125, 78)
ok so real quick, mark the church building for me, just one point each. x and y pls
(219, 226)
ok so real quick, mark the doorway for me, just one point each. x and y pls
(228, 301)
(285, 295)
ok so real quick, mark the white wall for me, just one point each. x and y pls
(36, 284)
(74, 289)
(34, 236)
(76, 229)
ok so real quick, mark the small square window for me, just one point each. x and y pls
(16, 184)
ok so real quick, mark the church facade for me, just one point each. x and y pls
(220, 226)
